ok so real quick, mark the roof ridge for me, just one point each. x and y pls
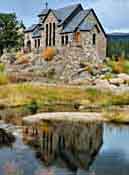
(66, 6)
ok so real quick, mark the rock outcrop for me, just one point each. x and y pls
(69, 64)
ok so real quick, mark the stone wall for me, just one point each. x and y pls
(51, 19)
(101, 45)
(28, 37)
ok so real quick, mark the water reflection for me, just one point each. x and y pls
(68, 149)
(70, 146)
(113, 158)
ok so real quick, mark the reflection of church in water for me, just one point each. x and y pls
(70, 145)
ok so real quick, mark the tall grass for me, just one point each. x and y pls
(3, 76)
(20, 94)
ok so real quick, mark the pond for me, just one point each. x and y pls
(93, 149)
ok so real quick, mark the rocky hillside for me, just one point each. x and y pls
(69, 64)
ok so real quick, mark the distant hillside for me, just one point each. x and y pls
(118, 44)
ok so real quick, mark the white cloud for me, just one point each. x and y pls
(112, 13)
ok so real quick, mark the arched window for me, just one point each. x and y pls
(29, 45)
(66, 39)
(94, 39)
(35, 43)
(62, 40)
(46, 35)
(54, 34)
(50, 34)
(38, 43)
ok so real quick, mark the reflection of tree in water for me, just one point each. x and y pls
(6, 139)
(72, 145)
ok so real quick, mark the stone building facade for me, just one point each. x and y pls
(65, 27)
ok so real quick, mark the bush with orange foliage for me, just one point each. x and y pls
(49, 53)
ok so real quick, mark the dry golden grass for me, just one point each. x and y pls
(24, 94)
(3, 79)
(20, 94)
(117, 116)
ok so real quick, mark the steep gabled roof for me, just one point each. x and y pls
(99, 22)
(75, 22)
(62, 13)
(70, 17)
(31, 28)
(36, 33)
(86, 26)
(78, 22)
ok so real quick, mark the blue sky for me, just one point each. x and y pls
(113, 14)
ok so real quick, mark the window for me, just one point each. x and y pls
(77, 37)
(62, 40)
(50, 34)
(94, 39)
(38, 43)
(66, 39)
(46, 35)
(54, 34)
(35, 43)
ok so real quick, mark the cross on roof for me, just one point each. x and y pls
(46, 4)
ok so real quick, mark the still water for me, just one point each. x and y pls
(94, 150)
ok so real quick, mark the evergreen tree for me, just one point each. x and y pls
(10, 34)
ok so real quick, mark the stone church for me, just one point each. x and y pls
(68, 26)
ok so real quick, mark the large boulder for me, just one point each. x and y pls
(116, 81)
(8, 58)
(104, 85)
(124, 77)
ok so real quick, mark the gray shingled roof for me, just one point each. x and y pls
(31, 28)
(61, 13)
(36, 33)
(75, 22)
(65, 12)
(86, 26)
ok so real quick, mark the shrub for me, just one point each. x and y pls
(89, 69)
(126, 66)
(32, 107)
(119, 66)
(107, 76)
(19, 55)
(2, 67)
(49, 53)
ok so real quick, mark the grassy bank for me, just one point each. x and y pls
(21, 94)
(32, 98)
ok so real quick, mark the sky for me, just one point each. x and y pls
(113, 14)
